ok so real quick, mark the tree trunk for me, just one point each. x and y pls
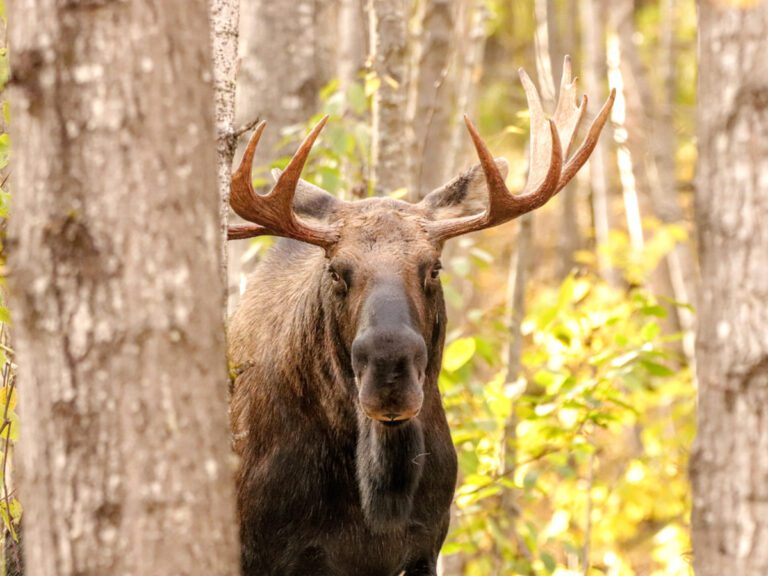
(729, 467)
(387, 22)
(350, 61)
(651, 147)
(562, 41)
(475, 15)
(429, 105)
(593, 42)
(225, 19)
(125, 465)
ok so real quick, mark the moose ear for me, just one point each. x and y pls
(465, 195)
(311, 201)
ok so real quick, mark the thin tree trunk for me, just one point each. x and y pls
(516, 288)
(625, 159)
(652, 145)
(475, 18)
(562, 34)
(549, 59)
(225, 21)
(593, 42)
(278, 77)
(125, 465)
(729, 467)
(388, 57)
(350, 60)
(429, 102)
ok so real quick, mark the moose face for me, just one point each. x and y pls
(382, 283)
(384, 280)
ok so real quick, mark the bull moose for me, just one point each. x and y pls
(346, 460)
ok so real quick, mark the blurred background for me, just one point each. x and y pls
(568, 374)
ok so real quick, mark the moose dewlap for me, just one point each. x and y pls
(346, 460)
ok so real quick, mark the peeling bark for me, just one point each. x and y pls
(729, 465)
(115, 286)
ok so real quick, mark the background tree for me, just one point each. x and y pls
(388, 60)
(125, 456)
(730, 464)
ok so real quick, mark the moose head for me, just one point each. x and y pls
(383, 255)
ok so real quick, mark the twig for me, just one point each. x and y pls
(232, 137)
(10, 382)
(588, 515)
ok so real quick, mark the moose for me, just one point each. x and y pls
(346, 460)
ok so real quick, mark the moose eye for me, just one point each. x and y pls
(434, 273)
(340, 280)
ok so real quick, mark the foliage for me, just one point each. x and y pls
(10, 507)
(583, 454)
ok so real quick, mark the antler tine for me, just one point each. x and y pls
(584, 151)
(502, 205)
(244, 231)
(273, 213)
(568, 113)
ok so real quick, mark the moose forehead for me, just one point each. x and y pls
(383, 226)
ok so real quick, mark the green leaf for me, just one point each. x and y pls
(357, 99)
(655, 368)
(549, 562)
(458, 353)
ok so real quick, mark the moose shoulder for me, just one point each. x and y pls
(346, 460)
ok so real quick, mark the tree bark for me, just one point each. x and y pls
(350, 61)
(652, 148)
(475, 15)
(225, 21)
(729, 466)
(593, 42)
(387, 27)
(125, 465)
(278, 77)
(429, 102)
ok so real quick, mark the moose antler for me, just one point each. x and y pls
(272, 214)
(548, 174)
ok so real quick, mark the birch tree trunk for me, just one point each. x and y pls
(729, 467)
(651, 147)
(225, 21)
(387, 27)
(125, 465)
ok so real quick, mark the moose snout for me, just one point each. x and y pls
(389, 368)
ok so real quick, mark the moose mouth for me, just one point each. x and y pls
(393, 423)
